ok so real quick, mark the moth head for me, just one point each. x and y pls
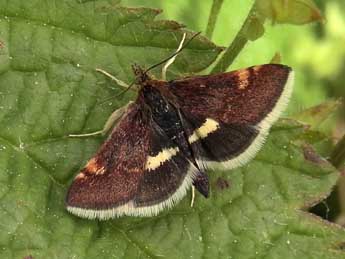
(140, 74)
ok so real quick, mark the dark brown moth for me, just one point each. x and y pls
(175, 131)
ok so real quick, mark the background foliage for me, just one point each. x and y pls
(316, 50)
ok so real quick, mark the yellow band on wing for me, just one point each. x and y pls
(206, 128)
(153, 162)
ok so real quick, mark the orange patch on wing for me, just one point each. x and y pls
(94, 168)
(256, 68)
(80, 176)
(243, 77)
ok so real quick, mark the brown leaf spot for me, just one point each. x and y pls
(340, 246)
(310, 155)
(2, 45)
(222, 183)
(342, 172)
(28, 257)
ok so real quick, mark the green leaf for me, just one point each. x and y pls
(254, 28)
(49, 89)
(289, 11)
(276, 59)
(280, 11)
(316, 115)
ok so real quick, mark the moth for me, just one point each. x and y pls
(173, 133)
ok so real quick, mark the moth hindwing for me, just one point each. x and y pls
(173, 133)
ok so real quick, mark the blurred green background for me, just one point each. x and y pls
(315, 51)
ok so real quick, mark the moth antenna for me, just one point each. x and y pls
(166, 60)
(172, 55)
(126, 90)
(118, 95)
(118, 81)
(170, 61)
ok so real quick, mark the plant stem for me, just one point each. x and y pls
(338, 154)
(338, 160)
(212, 19)
(236, 46)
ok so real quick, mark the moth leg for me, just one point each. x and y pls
(201, 183)
(170, 61)
(112, 120)
(193, 197)
(115, 117)
(99, 132)
(118, 81)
